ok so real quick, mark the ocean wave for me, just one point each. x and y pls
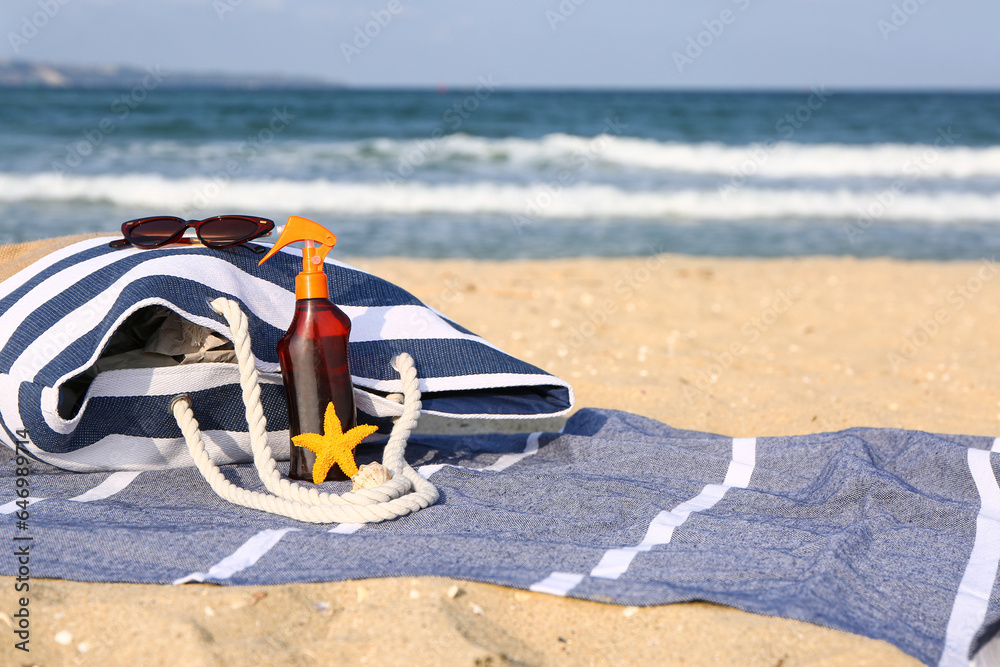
(553, 152)
(487, 198)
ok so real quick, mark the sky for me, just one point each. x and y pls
(871, 44)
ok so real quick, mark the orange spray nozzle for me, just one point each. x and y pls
(311, 283)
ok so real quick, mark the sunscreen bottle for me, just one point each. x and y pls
(313, 353)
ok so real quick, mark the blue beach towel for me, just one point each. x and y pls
(68, 312)
(885, 533)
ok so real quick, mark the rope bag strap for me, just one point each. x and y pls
(405, 492)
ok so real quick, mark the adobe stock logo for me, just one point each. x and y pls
(926, 329)
(899, 17)
(79, 150)
(704, 39)
(31, 25)
(452, 120)
(372, 29)
(751, 330)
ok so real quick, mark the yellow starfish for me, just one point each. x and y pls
(334, 446)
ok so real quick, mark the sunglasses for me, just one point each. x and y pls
(221, 231)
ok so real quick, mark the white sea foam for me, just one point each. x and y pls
(778, 160)
(487, 198)
(558, 151)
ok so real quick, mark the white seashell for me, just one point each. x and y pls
(370, 475)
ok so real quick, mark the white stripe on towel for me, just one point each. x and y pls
(428, 470)
(557, 583)
(249, 553)
(661, 530)
(616, 562)
(502, 463)
(507, 460)
(109, 487)
(972, 600)
(346, 528)
(12, 506)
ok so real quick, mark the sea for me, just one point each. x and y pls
(490, 172)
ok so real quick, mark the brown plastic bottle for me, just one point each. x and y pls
(315, 370)
(313, 354)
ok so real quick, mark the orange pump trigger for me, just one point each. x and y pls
(311, 283)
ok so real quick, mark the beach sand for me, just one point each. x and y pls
(743, 347)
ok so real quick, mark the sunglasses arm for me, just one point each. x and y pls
(124, 243)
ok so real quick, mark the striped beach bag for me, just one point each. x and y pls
(95, 342)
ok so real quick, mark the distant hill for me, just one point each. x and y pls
(26, 74)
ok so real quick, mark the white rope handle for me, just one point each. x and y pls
(406, 492)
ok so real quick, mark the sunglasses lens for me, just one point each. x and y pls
(155, 230)
(227, 230)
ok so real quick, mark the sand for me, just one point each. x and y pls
(743, 347)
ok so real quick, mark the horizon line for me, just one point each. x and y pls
(516, 88)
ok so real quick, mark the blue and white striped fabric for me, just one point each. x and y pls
(885, 533)
(57, 315)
